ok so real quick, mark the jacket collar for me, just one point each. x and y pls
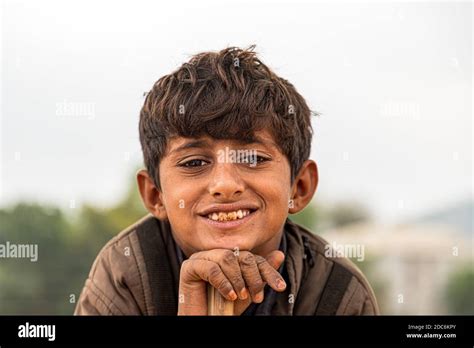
(294, 264)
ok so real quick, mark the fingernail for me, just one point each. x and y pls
(281, 284)
(259, 297)
(244, 294)
(232, 295)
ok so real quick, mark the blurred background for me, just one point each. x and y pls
(391, 80)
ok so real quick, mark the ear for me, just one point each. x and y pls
(304, 186)
(151, 195)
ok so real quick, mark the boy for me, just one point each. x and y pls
(226, 144)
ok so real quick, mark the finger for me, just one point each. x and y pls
(251, 274)
(229, 264)
(210, 272)
(275, 258)
(270, 275)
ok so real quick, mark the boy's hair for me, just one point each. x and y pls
(226, 95)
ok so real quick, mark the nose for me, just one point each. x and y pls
(226, 183)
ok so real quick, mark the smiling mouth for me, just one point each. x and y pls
(229, 216)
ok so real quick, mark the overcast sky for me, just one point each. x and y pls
(392, 81)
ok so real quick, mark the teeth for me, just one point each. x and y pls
(233, 215)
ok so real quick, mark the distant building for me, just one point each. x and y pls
(409, 264)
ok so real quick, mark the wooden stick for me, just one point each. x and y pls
(217, 304)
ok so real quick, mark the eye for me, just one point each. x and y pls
(193, 163)
(252, 159)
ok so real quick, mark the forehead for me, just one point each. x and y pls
(261, 138)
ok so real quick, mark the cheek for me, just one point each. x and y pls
(276, 196)
(277, 185)
(277, 208)
(178, 200)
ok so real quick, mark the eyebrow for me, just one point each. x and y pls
(191, 145)
(200, 143)
(256, 140)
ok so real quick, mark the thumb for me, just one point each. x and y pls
(275, 258)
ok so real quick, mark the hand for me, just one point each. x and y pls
(239, 277)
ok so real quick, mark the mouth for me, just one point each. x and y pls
(228, 219)
(229, 216)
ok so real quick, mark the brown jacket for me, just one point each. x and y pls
(137, 273)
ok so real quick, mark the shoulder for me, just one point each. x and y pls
(338, 275)
(131, 232)
(116, 281)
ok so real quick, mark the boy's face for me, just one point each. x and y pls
(209, 186)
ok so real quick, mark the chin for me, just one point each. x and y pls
(233, 243)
